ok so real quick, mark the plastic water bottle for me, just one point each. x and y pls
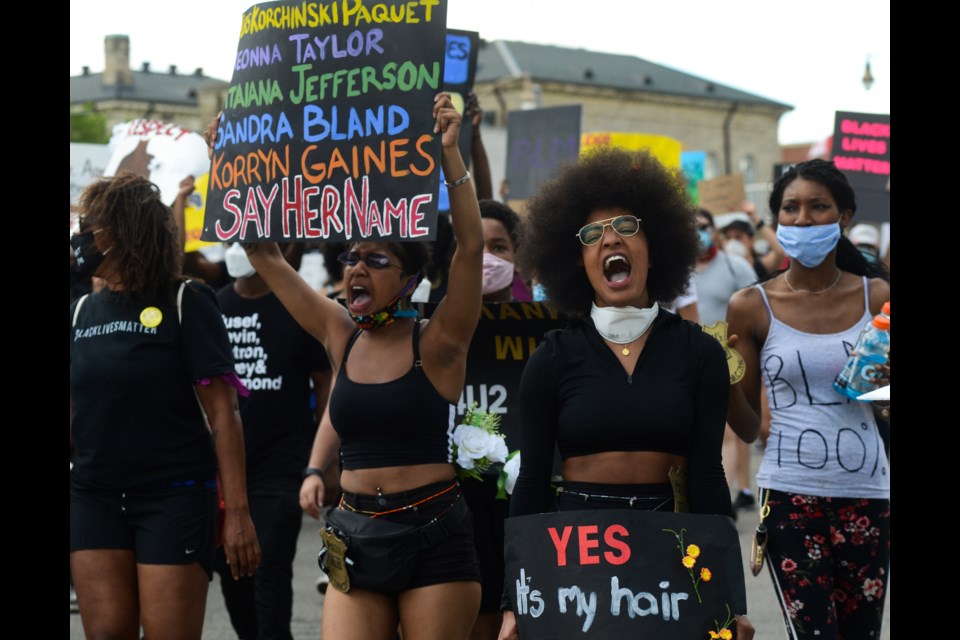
(884, 311)
(858, 375)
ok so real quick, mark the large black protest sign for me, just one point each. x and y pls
(619, 573)
(539, 141)
(327, 130)
(861, 149)
(505, 337)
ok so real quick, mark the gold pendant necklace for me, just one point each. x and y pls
(625, 351)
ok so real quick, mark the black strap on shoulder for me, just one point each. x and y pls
(416, 344)
(346, 352)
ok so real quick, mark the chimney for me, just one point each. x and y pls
(116, 70)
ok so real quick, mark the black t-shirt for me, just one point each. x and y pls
(275, 358)
(136, 421)
(575, 392)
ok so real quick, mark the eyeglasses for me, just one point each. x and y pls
(372, 260)
(625, 226)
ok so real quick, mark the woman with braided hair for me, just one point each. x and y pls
(146, 454)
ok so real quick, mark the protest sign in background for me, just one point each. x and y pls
(722, 194)
(459, 71)
(505, 337)
(193, 215)
(327, 131)
(162, 152)
(666, 150)
(87, 163)
(693, 164)
(620, 573)
(861, 149)
(539, 141)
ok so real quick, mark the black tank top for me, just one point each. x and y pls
(401, 422)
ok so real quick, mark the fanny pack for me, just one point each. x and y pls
(377, 554)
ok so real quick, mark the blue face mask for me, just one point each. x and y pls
(808, 245)
(706, 239)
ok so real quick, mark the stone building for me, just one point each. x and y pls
(189, 100)
(737, 130)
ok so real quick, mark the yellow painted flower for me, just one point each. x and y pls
(688, 562)
(726, 634)
(705, 574)
(693, 551)
(714, 635)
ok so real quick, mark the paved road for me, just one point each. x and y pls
(307, 604)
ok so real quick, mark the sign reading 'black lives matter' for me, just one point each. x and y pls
(618, 573)
(327, 131)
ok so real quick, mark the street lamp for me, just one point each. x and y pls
(867, 76)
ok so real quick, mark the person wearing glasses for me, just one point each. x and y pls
(634, 396)
(393, 407)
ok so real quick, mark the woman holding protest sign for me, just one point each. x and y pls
(610, 239)
(146, 454)
(399, 547)
(824, 482)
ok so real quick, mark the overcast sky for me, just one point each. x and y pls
(810, 55)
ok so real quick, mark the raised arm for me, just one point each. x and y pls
(179, 208)
(478, 154)
(773, 258)
(456, 317)
(323, 318)
(320, 316)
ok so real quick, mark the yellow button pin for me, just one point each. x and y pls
(151, 317)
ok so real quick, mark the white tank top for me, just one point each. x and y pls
(820, 443)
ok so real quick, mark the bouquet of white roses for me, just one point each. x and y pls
(508, 475)
(478, 444)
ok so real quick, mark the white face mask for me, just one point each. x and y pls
(238, 264)
(497, 273)
(736, 248)
(621, 325)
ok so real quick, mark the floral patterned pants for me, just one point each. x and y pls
(829, 559)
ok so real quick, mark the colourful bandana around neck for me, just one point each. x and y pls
(388, 314)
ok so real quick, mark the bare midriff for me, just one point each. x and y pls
(622, 467)
(395, 479)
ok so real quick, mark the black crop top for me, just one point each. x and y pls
(576, 393)
(401, 422)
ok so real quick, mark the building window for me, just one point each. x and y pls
(748, 167)
(711, 169)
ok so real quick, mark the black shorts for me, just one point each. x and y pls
(165, 525)
(454, 559)
(489, 514)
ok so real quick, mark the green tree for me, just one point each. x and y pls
(88, 126)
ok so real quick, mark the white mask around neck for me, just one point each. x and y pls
(621, 325)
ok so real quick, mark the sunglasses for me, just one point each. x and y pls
(372, 260)
(625, 226)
